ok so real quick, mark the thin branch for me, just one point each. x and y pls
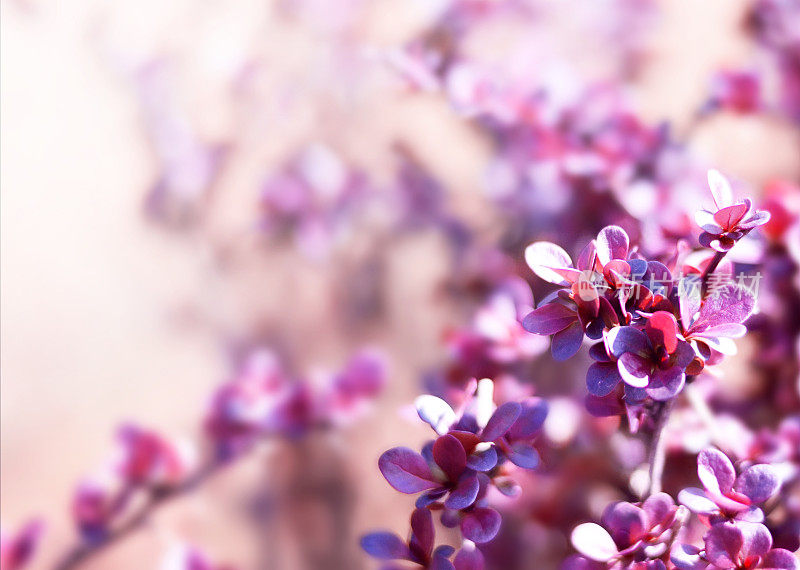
(658, 447)
(156, 499)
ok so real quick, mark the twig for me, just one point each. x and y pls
(712, 266)
(658, 447)
(156, 499)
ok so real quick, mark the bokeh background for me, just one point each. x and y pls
(137, 138)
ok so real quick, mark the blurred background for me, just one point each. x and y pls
(184, 181)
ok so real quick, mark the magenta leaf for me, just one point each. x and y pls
(729, 216)
(549, 319)
(449, 454)
(423, 534)
(481, 525)
(406, 470)
(662, 330)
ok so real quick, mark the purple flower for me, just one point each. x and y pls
(726, 495)
(731, 221)
(739, 546)
(629, 532)
(18, 548)
(419, 548)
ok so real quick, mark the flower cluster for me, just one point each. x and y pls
(728, 504)
(631, 535)
(17, 548)
(654, 331)
(473, 451)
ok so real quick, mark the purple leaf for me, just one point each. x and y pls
(385, 546)
(720, 189)
(501, 421)
(612, 243)
(441, 563)
(758, 218)
(634, 370)
(727, 304)
(435, 412)
(465, 492)
(696, 501)
(666, 384)
(758, 482)
(469, 558)
(524, 455)
(483, 460)
(532, 415)
(602, 378)
(620, 340)
(780, 559)
(449, 454)
(757, 539)
(626, 523)
(567, 342)
(481, 525)
(549, 261)
(706, 221)
(423, 534)
(687, 557)
(602, 407)
(594, 542)
(727, 330)
(549, 319)
(723, 544)
(715, 471)
(658, 508)
(689, 299)
(406, 470)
